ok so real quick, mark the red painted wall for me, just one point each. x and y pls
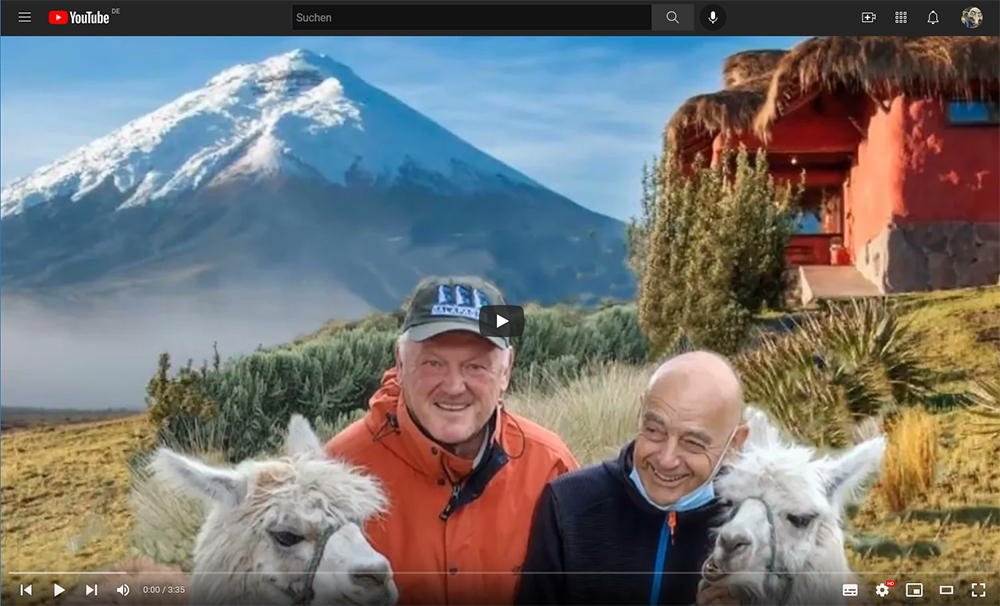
(914, 167)
(951, 171)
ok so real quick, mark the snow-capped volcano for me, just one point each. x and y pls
(296, 177)
(300, 112)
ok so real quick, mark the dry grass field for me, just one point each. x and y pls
(64, 488)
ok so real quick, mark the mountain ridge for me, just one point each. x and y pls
(296, 170)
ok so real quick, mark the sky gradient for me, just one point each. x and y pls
(579, 115)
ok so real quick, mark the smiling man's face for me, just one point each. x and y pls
(689, 412)
(452, 384)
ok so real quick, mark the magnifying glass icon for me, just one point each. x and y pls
(672, 17)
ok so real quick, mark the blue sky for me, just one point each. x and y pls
(579, 115)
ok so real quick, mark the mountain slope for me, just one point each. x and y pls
(294, 173)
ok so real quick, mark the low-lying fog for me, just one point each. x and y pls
(102, 358)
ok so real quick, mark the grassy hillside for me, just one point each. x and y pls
(64, 499)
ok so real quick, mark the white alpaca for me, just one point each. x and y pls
(283, 531)
(783, 542)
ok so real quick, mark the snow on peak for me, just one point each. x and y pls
(292, 112)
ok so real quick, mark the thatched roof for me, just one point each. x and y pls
(746, 77)
(748, 66)
(759, 84)
(931, 66)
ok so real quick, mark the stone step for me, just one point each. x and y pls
(819, 282)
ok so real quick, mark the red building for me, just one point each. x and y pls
(900, 142)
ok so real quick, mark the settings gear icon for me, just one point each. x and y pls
(882, 590)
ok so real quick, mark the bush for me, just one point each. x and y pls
(857, 360)
(239, 406)
(712, 251)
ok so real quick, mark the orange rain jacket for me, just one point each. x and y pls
(450, 544)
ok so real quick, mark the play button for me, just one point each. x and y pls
(56, 589)
(502, 321)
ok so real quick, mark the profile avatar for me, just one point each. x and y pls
(972, 17)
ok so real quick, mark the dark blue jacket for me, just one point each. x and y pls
(595, 540)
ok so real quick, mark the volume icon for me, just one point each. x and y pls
(122, 589)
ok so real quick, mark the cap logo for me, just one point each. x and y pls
(459, 300)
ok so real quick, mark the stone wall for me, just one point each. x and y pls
(912, 257)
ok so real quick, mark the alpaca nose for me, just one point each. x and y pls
(733, 542)
(374, 575)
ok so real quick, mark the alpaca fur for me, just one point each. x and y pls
(241, 553)
(806, 494)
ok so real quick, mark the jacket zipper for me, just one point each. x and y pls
(669, 525)
(455, 489)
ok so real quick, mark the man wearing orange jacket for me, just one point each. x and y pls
(463, 474)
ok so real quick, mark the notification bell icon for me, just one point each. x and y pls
(932, 17)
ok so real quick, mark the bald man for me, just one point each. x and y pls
(602, 532)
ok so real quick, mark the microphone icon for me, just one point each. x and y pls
(713, 17)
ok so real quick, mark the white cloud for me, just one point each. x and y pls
(579, 118)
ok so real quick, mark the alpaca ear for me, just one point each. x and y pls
(192, 477)
(845, 476)
(763, 433)
(301, 437)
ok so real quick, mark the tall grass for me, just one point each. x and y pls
(911, 458)
(595, 415)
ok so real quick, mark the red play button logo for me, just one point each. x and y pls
(58, 17)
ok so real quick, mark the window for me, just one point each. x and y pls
(973, 112)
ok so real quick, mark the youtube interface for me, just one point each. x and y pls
(500, 302)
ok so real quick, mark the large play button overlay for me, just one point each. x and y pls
(503, 321)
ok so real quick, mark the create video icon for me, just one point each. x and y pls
(58, 17)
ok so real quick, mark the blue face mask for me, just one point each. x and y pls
(693, 500)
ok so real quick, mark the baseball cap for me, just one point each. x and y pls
(441, 305)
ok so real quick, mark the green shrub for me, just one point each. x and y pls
(238, 407)
(710, 246)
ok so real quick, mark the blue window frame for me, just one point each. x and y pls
(968, 113)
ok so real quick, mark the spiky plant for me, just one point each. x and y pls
(986, 405)
(857, 361)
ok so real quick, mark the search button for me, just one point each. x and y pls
(673, 17)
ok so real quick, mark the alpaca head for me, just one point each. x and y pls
(784, 508)
(286, 530)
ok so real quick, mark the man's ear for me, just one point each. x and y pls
(508, 369)
(740, 437)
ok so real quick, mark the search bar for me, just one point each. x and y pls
(673, 17)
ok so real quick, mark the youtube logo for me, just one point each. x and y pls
(58, 17)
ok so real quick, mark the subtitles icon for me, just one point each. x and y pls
(850, 589)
